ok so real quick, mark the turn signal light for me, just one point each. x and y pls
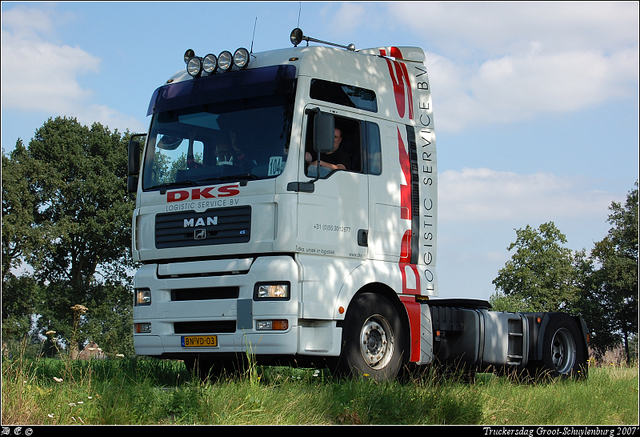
(272, 325)
(142, 328)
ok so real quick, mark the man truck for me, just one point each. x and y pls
(252, 240)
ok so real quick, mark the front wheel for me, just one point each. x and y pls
(373, 338)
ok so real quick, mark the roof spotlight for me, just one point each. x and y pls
(241, 57)
(225, 60)
(188, 55)
(194, 66)
(296, 36)
(209, 63)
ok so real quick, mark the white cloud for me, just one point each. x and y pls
(518, 87)
(507, 62)
(41, 75)
(502, 28)
(36, 73)
(481, 195)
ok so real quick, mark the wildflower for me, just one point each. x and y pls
(80, 308)
(50, 415)
(57, 379)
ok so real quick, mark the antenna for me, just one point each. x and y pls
(254, 35)
(299, 10)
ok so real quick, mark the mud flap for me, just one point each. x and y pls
(426, 335)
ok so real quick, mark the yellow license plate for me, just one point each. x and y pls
(200, 341)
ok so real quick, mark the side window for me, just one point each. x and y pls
(358, 148)
(373, 149)
(347, 154)
(345, 95)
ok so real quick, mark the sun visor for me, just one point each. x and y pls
(259, 82)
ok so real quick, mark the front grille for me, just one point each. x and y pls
(205, 327)
(214, 226)
(205, 293)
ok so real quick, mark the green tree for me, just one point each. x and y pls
(539, 276)
(82, 217)
(19, 206)
(19, 239)
(609, 298)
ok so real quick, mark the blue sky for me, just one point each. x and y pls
(535, 104)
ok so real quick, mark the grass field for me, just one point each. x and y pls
(137, 391)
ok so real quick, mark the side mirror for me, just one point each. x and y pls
(323, 132)
(132, 184)
(134, 158)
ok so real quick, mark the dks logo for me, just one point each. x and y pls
(204, 193)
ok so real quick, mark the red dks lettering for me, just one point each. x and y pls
(410, 274)
(401, 85)
(405, 190)
(409, 271)
(203, 193)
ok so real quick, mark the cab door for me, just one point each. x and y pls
(334, 218)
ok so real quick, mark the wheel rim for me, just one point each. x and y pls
(376, 342)
(563, 351)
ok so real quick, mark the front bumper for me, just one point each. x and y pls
(240, 315)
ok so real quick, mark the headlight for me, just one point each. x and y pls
(142, 328)
(209, 63)
(194, 66)
(272, 291)
(241, 58)
(272, 325)
(225, 60)
(143, 297)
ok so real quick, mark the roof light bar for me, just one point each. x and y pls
(208, 65)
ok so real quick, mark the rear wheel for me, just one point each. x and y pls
(563, 352)
(373, 338)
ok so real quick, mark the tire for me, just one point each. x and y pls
(563, 352)
(373, 339)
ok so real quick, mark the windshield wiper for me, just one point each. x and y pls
(242, 177)
(167, 185)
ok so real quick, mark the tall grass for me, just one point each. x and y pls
(149, 391)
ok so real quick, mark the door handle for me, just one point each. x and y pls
(363, 237)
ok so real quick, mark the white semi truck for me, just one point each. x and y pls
(287, 208)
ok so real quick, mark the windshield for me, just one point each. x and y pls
(242, 138)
